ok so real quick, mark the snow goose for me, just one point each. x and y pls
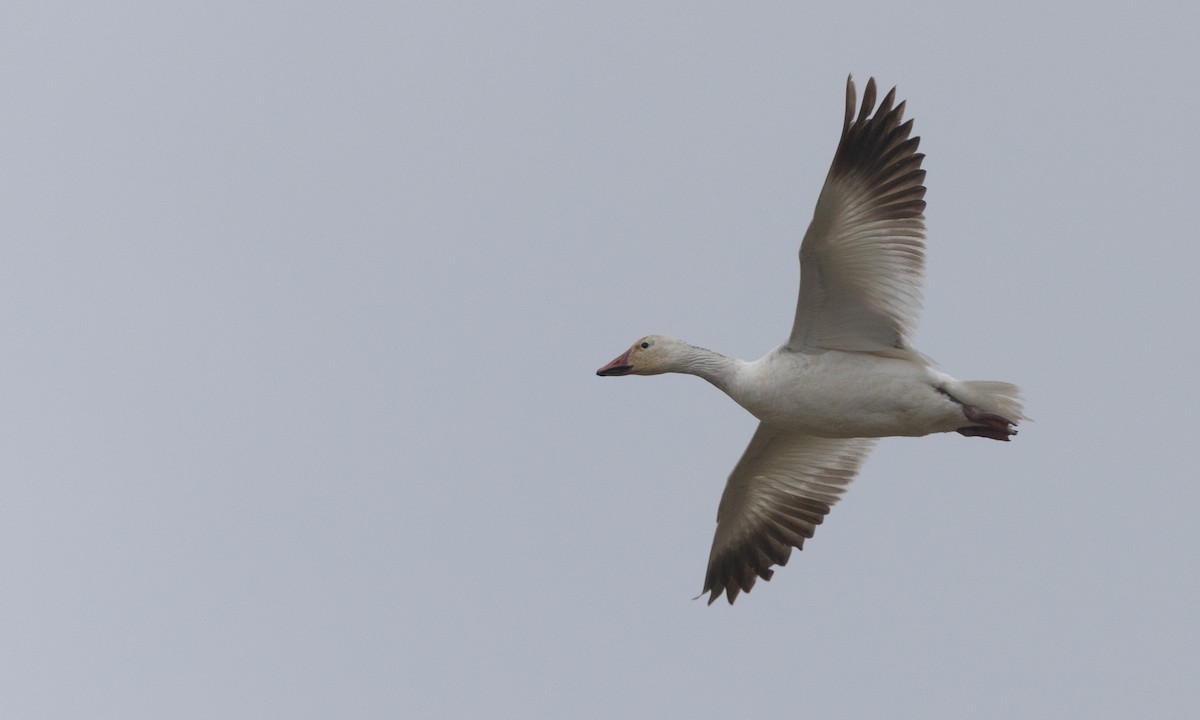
(847, 374)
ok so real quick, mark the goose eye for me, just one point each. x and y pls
(645, 345)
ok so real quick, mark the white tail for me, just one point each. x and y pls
(1001, 398)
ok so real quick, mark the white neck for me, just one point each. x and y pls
(713, 367)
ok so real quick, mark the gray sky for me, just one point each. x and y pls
(302, 305)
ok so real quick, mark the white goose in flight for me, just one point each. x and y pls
(847, 374)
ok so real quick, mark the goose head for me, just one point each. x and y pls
(651, 355)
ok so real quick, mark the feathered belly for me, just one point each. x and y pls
(850, 395)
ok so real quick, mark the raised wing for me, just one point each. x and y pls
(781, 489)
(863, 257)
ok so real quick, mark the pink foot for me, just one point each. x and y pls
(986, 424)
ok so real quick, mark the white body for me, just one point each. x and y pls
(839, 394)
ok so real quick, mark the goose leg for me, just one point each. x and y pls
(988, 425)
(985, 424)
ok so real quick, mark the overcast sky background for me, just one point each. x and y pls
(302, 304)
